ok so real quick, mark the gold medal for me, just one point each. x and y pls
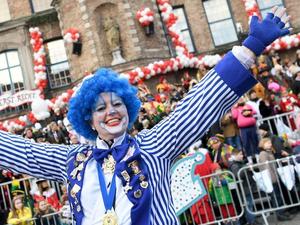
(110, 218)
(80, 157)
(144, 184)
(134, 165)
(137, 193)
(109, 164)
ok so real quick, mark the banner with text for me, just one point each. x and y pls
(18, 98)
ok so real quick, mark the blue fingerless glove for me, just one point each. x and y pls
(263, 33)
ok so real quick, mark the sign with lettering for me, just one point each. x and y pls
(18, 98)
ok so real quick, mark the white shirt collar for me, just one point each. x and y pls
(103, 145)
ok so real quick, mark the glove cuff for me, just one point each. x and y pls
(254, 45)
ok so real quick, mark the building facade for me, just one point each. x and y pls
(208, 26)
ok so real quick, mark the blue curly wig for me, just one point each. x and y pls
(83, 103)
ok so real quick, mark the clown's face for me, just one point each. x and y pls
(110, 116)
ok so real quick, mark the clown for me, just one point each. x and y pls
(123, 179)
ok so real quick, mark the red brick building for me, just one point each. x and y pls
(209, 26)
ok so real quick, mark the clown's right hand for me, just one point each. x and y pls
(263, 33)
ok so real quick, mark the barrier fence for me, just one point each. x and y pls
(258, 190)
(281, 123)
(271, 186)
(261, 189)
(221, 204)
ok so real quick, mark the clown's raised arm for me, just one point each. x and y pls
(216, 93)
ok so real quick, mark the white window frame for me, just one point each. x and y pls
(229, 19)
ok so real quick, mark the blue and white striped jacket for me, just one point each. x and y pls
(159, 146)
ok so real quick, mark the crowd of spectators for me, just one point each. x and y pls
(277, 92)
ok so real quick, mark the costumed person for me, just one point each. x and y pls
(202, 210)
(126, 180)
(19, 214)
(45, 192)
(221, 152)
(220, 193)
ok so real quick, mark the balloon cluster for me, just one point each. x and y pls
(39, 58)
(71, 35)
(285, 42)
(62, 100)
(170, 20)
(183, 60)
(252, 8)
(145, 16)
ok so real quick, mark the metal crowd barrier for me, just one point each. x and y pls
(226, 199)
(49, 219)
(288, 119)
(26, 186)
(220, 205)
(272, 186)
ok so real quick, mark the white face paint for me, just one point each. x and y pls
(110, 116)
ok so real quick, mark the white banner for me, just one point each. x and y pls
(18, 98)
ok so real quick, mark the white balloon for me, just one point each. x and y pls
(40, 109)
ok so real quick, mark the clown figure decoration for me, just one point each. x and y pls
(125, 180)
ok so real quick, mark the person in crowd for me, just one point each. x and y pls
(267, 109)
(137, 169)
(42, 214)
(264, 68)
(244, 116)
(297, 61)
(236, 162)
(220, 193)
(55, 135)
(45, 192)
(266, 154)
(254, 103)
(28, 133)
(281, 150)
(220, 151)
(185, 81)
(231, 131)
(19, 214)
(296, 82)
(288, 103)
(202, 211)
(57, 115)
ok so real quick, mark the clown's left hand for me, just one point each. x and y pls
(263, 33)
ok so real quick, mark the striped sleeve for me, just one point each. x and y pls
(195, 114)
(46, 161)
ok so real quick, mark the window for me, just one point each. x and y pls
(265, 6)
(4, 11)
(11, 75)
(183, 26)
(58, 66)
(41, 5)
(220, 21)
(11, 78)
